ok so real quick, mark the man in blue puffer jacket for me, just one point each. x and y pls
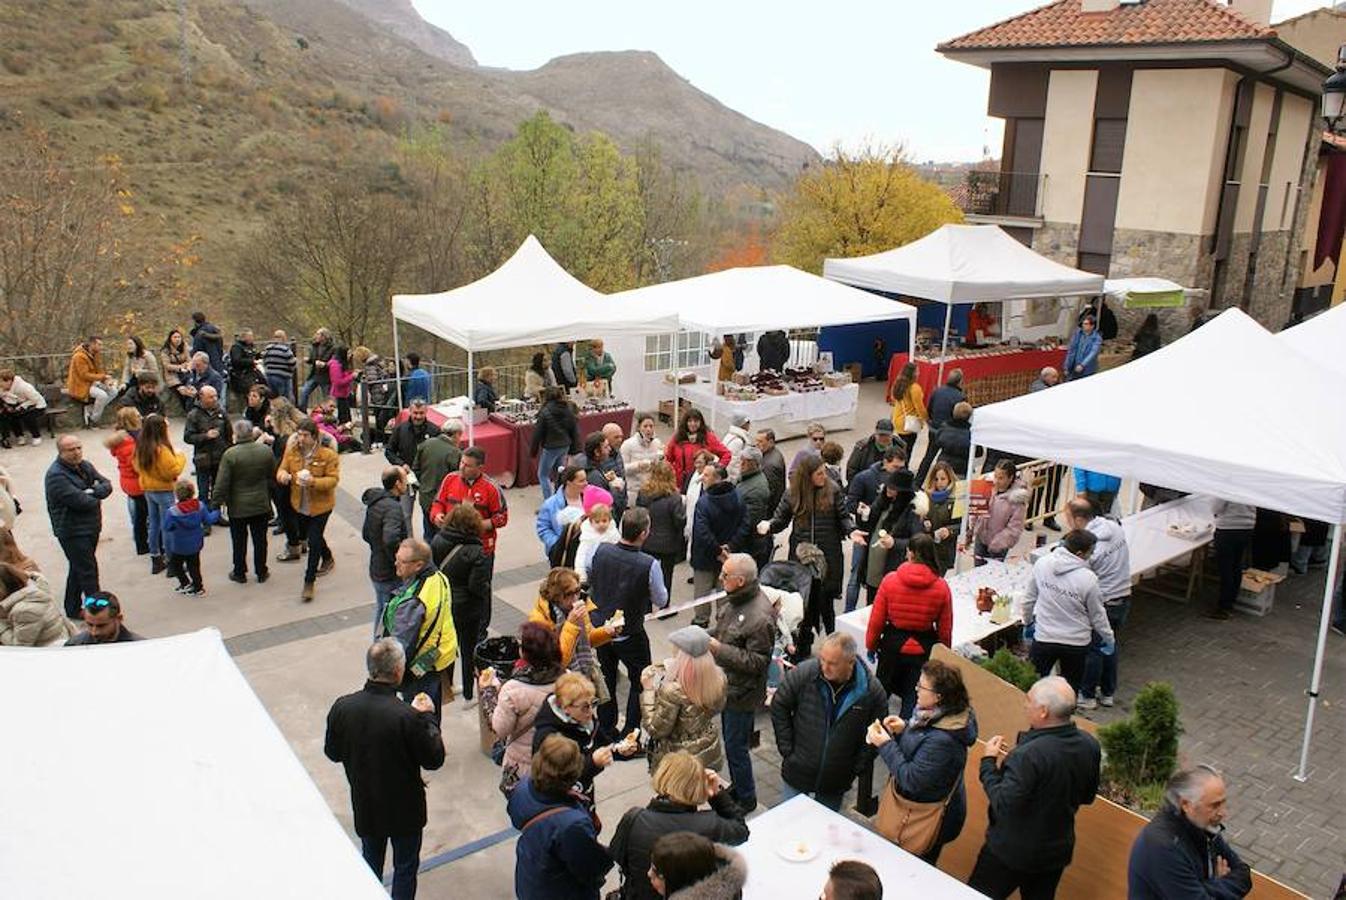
(719, 527)
(1082, 355)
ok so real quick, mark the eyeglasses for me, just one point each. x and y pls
(97, 602)
(583, 704)
(921, 687)
(575, 593)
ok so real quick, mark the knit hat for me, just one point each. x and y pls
(691, 639)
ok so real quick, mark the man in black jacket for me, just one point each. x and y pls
(861, 494)
(75, 494)
(243, 371)
(755, 492)
(953, 441)
(773, 464)
(820, 714)
(773, 351)
(870, 450)
(383, 744)
(385, 528)
(1034, 792)
(208, 431)
(400, 450)
(741, 642)
(942, 401)
(1182, 852)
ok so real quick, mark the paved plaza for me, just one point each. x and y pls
(1240, 683)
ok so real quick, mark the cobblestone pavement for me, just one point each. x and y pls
(1241, 690)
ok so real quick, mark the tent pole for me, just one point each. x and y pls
(944, 350)
(397, 364)
(967, 508)
(673, 363)
(1134, 502)
(471, 383)
(1316, 681)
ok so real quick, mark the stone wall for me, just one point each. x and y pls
(1271, 299)
(1182, 258)
(1059, 241)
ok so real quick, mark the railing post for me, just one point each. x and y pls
(366, 439)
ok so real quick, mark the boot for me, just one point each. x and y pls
(290, 554)
(157, 565)
(326, 566)
(307, 595)
(303, 546)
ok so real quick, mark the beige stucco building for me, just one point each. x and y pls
(1156, 137)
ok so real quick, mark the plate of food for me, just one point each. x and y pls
(797, 851)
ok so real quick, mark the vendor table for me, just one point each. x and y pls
(496, 440)
(968, 624)
(525, 462)
(986, 379)
(835, 837)
(787, 414)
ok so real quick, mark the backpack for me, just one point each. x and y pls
(562, 553)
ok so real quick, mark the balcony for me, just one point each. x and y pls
(1002, 197)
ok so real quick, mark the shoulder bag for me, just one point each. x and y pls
(910, 825)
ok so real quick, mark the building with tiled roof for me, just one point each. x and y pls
(1157, 137)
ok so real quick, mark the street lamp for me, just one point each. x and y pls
(1334, 93)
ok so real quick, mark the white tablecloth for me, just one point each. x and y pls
(834, 407)
(770, 877)
(1147, 537)
(968, 624)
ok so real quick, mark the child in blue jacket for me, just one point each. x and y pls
(184, 536)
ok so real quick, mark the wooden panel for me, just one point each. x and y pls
(1104, 831)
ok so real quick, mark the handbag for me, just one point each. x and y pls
(585, 663)
(912, 424)
(910, 825)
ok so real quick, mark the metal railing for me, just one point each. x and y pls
(1017, 194)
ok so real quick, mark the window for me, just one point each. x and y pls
(1109, 142)
(692, 347)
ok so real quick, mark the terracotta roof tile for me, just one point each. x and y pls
(1064, 24)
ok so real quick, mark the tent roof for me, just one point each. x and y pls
(964, 264)
(760, 298)
(530, 299)
(1179, 417)
(1321, 339)
(194, 784)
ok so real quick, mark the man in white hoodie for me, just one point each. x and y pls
(1111, 562)
(1064, 608)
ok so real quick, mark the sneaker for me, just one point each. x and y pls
(37, 442)
(307, 595)
(1086, 703)
(1106, 700)
(23, 440)
(326, 566)
(194, 591)
(182, 589)
(238, 577)
(290, 554)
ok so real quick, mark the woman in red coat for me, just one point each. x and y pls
(690, 438)
(122, 443)
(912, 610)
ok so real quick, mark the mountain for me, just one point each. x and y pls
(401, 18)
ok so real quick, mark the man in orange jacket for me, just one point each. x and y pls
(86, 382)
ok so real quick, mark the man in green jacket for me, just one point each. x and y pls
(435, 458)
(243, 484)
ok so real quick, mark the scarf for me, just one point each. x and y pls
(921, 718)
(941, 496)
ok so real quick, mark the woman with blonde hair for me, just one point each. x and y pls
(122, 444)
(681, 787)
(571, 712)
(559, 607)
(680, 700)
(29, 614)
(10, 554)
(667, 541)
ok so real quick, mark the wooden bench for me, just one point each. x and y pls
(59, 403)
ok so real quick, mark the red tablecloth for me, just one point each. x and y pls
(496, 440)
(525, 466)
(975, 367)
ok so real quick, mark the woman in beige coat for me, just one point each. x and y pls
(511, 707)
(681, 699)
(29, 614)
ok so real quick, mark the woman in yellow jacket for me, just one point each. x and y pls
(908, 402)
(157, 466)
(311, 469)
(556, 608)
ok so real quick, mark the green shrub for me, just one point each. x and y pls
(1141, 753)
(1008, 667)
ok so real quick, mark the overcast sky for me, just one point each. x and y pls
(857, 71)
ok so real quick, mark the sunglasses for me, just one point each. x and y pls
(97, 603)
(818, 440)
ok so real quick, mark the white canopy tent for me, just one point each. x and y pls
(1322, 339)
(1197, 439)
(763, 298)
(170, 769)
(530, 299)
(964, 264)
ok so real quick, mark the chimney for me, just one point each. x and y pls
(1091, 6)
(1256, 11)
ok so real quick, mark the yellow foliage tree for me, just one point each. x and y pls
(855, 204)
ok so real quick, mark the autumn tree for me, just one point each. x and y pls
(68, 264)
(672, 236)
(334, 258)
(856, 204)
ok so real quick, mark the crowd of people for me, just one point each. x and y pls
(619, 513)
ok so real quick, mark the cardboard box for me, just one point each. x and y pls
(856, 370)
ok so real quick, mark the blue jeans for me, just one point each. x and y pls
(831, 801)
(309, 387)
(737, 726)
(547, 462)
(281, 386)
(383, 592)
(160, 503)
(406, 860)
(1100, 672)
(859, 558)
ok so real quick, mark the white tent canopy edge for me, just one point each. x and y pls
(197, 791)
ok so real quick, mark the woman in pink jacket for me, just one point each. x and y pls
(512, 707)
(342, 373)
(995, 534)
